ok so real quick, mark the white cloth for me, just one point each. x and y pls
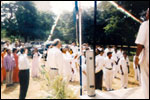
(106, 51)
(67, 67)
(124, 78)
(143, 39)
(109, 63)
(99, 63)
(108, 74)
(55, 59)
(108, 78)
(120, 54)
(116, 66)
(124, 81)
(36, 64)
(74, 49)
(137, 72)
(124, 63)
(23, 62)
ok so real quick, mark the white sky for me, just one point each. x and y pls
(59, 6)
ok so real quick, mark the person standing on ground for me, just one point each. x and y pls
(108, 72)
(36, 63)
(142, 42)
(24, 73)
(16, 70)
(9, 64)
(55, 60)
(99, 70)
(124, 66)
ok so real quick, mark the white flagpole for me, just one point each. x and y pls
(80, 26)
(80, 42)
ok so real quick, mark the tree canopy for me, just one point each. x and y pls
(21, 19)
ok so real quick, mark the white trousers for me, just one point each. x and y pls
(137, 75)
(124, 81)
(108, 79)
(116, 69)
(145, 78)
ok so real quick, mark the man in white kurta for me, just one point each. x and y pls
(99, 70)
(116, 58)
(55, 60)
(124, 66)
(108, 72)
(142, 42)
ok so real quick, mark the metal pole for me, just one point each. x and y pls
(80, 36)
(95, 30)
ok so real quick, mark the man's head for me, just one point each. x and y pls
(57, 43)
(24, 51)
(101, 52)
(73, 44)
(125, 54)
(109, 54)
(147, 14)
(14, 50)
(8, 51)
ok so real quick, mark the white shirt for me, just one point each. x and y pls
(124, 63)
(120, 54)
(74, 49)
(115, 56)
(106, 51)
(109, 63)
(23, 62)
(55, 59)
(143, 39)
(99, 63)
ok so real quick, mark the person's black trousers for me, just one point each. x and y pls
(24, 77)
(99, 80)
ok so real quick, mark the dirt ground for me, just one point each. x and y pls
(38, 89)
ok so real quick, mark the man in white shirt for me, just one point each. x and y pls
(55, 60)
(124, 66)
(99, 70)
(142, 42)
(116, 58)
(24, 75)
(120, 53)
(109, 64)
(74, 47)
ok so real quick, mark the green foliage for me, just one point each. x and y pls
(25, 20)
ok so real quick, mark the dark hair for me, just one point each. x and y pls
(71, 50)
(4, 49)
(61, 49)
(109, 53)
(124, 53)
(22, 50)
(14, 49)
(101, 51)
(7, 50)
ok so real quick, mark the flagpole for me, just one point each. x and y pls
(80, 41)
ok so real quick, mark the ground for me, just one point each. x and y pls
(39, 90)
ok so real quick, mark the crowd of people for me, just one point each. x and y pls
(65, 61)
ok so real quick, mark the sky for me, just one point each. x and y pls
(59, 6)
